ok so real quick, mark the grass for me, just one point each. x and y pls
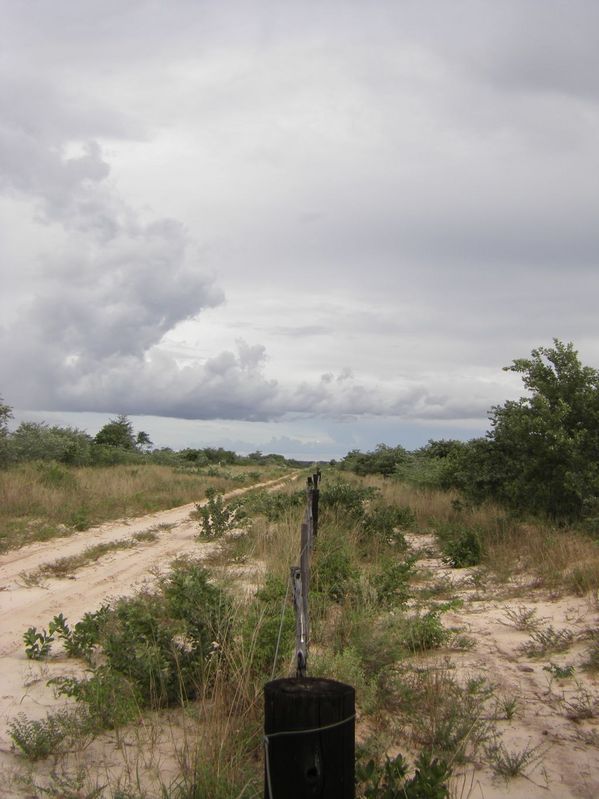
(65, 567)
(39, 501)
(190, 729)
(512, 763)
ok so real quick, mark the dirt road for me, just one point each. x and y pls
(118, 573)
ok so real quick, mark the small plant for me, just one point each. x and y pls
(37, 739)
(522, 618)
(581, 705)
(560, 672)
(37, 643)
(389, 780)
(446, 717)
(507, 707)
(508, 764)
(592, 661)
(392, 583)
(215, 518)
(462, 550)
(423, 632)
(546, 640)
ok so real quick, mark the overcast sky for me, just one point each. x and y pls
(294, 226)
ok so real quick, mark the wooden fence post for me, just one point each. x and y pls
(309, 733)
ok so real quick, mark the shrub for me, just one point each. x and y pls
(215, 518)
(268, 617)
(381, 522)
(462, 550)
(37, 739)
(333, 569)
(389, 779)
(392, 582)
(422, 632)
(37, 644)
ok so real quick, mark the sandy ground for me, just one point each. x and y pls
(559, 716)
(23, 682)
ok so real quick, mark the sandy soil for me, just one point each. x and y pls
(23, 682)
(559, 716)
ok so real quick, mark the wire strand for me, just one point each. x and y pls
(266, 739)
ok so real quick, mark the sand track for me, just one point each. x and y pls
(118, 573)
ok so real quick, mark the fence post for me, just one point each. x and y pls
(309, 723)
(309, 733)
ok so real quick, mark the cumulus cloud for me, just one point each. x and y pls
(412, 191)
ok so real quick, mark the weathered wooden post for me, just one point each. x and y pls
(309, 723)
(309, 734)
(315, 497)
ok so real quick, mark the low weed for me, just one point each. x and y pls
(37, 643)
(39, 738)
(547, 639)
(560, 672)
(512, 763)
(522, 618)
(389, 780)
(448, 718)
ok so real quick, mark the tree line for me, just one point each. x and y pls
(540, 455)
(116, 442)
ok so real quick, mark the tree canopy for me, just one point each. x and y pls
(542, 452)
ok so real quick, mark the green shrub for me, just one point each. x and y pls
(389, 779)
(111, 700)
(333, 569)
(37, 739)
(267, 618)
(215, 517)
(392, 582)
(345, 500)
(381, 522)
(37, 644)
(422, 632)
(463, 550)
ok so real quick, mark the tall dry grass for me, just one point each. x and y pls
(41, 500)
(557, 559)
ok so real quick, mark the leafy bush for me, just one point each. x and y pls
(462, 550)
(37, 739)
(111, 700)
(267, 617)
(345, 500)
(37, 644)
(392, 582)
(272, 505)
(215, 518)
(155, 645)
(389, 779)
(333, 569)
(382, 522)
(422, 632)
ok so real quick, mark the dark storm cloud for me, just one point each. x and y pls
(434, 164)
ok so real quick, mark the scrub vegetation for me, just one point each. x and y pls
(171, 678)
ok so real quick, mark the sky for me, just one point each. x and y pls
(294, 227)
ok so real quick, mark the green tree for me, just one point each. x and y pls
(117, 433)
(5, 416)
(39, 441)
(143, 441)
(542, 452)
